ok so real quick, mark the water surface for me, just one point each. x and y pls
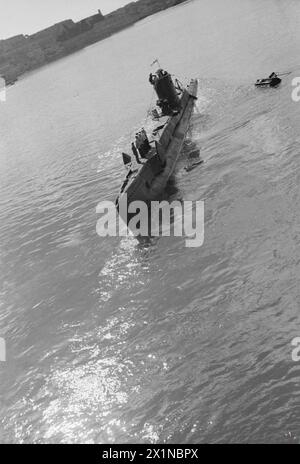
(111, 341)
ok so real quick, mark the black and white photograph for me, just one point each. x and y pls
(149, 225)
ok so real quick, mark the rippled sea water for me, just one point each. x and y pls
(112, 341)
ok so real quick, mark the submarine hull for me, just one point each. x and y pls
(147, 182)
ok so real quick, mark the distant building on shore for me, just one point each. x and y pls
(72, 29)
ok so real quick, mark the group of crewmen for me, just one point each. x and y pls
(141, 147)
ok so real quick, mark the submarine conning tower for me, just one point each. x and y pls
(168, 99)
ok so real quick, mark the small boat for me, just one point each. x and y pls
(156, 158)
(272, 81)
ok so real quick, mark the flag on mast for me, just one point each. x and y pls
(154, 62)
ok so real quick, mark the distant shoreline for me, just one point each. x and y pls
(22, 54)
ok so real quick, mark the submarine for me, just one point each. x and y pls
(156, 158)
